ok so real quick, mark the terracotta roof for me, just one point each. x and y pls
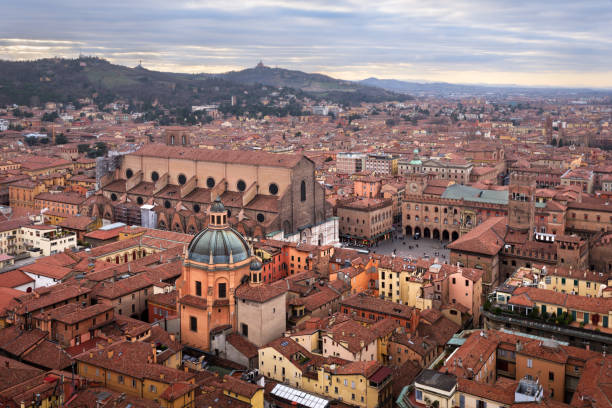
(73, 312)
(66, 198)
(527, 296)
(164, 299)
(259, 293)
(238, 386)
(220, 156)
(15, 341)
(365, 368)
(493, 392)
(106, 398)
(44, 269)
(14, 278)
(318, 299)
(79, 223)
(7, 297)
(242, 344)
(486, 238)
(594, 388)
(289, 348)
(49, 355)
(194, 301)
(370, 303)
(131, 358)
(103, 235)
(213, 397)
(351, 335)
(46, 297)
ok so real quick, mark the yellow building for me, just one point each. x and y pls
(131, 368)
(575, 281)
(360, 383)
(399, 282)
(363, 384)
(284, 360)
(249, 393)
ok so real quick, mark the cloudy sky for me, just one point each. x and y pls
(532, 42)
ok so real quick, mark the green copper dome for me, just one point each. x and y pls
(219, 246)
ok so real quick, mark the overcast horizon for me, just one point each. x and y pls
(548, 44)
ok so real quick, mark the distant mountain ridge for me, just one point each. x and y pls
(63, 80)
(446, 89)
(316, 84)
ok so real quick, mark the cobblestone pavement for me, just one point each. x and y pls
(426, 247)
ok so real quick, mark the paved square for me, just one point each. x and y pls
(420, 248)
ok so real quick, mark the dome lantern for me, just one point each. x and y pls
(219, 243)
(255, 268)
(218, 214)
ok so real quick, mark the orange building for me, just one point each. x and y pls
(217, 262)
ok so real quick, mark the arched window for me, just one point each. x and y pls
(155, 176)
(303, 191)
(182, 179)
(210, 182)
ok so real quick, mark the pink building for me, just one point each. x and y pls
(465, 288)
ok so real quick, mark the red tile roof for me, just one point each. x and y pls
(220, 156)
(486, 238)
(259, 293)
(14, 278)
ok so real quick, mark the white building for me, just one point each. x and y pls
(350, 163)
(45, 240)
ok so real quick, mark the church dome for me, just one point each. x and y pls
(255, 265)
(219, 246)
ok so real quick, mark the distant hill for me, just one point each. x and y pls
(448, 89)
(63, 80)
(66, 80)
(318, 85)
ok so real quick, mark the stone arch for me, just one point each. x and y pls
(426, 233)
(408, 231)
(455, 235)
(417, 230)
(445, 235)
(436, 234)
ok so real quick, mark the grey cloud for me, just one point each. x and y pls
(344, 36)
